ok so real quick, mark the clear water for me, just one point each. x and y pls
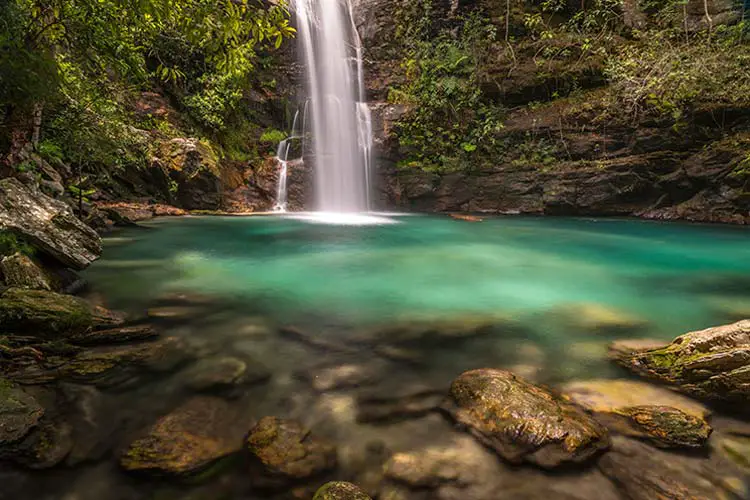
(244, 276)
(674, 277)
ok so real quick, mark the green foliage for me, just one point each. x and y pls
(272, 136)
(665, 75)
(449, 124)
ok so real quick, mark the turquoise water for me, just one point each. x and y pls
(671, 277)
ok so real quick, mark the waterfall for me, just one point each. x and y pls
(340, 120)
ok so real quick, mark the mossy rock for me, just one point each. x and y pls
(188, 441)
(663, 426)
(43, 314)
(21, 271)
(665, 418)
(523, 422)
(711, 364)
(285, 452)
(339, 490)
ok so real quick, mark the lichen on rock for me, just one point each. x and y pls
(339, 490)
(712, 364)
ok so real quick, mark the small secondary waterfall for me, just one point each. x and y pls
(282, 158)
(340, 119)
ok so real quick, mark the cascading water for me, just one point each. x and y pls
(341, 124)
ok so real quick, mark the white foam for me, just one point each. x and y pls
(344, 218)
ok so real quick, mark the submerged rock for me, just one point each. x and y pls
(115, 365)
(415, 404)
(339, 490)
(426, 333)
(19, 413)
(637, 409)
(284, 452)
(596, 318)
(711, 364)
(329, 378)
(50, 315)
(645, 473)
(47, 224)
(47, 446)
(223, 373)
(605, 396)
(20, 271)
(522, 421)
(187, 440)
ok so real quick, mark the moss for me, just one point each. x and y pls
(43, 313)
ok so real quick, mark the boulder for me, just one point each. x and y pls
(712, 364)
(21, 271)
(339, 490)
(187, 440)
(50, 315)
(48, 225)
(642, 472)
(522, 421)
(193, 166)
(283, 452)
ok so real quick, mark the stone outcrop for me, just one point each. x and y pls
(186, 441)
(711, 364)
(47, 224)
(523, 422)
(284, 452)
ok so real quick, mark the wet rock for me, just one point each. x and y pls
(711, 364)
(47, 224)
(636, 409)
(340, 490)
(111, 366)
(21, 271)
(662, 426)
(186, 441)
(126, 213)
(343, 376)
(115, 335)
(596, 318)
(50, 315)
(284, 452)
(642, 472)
(19, 413)
(223, 373)
(522, 421)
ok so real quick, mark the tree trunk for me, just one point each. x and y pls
(36, 130)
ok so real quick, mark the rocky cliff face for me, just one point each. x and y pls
(618, 166)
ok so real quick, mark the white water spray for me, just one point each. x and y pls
(340, 120)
